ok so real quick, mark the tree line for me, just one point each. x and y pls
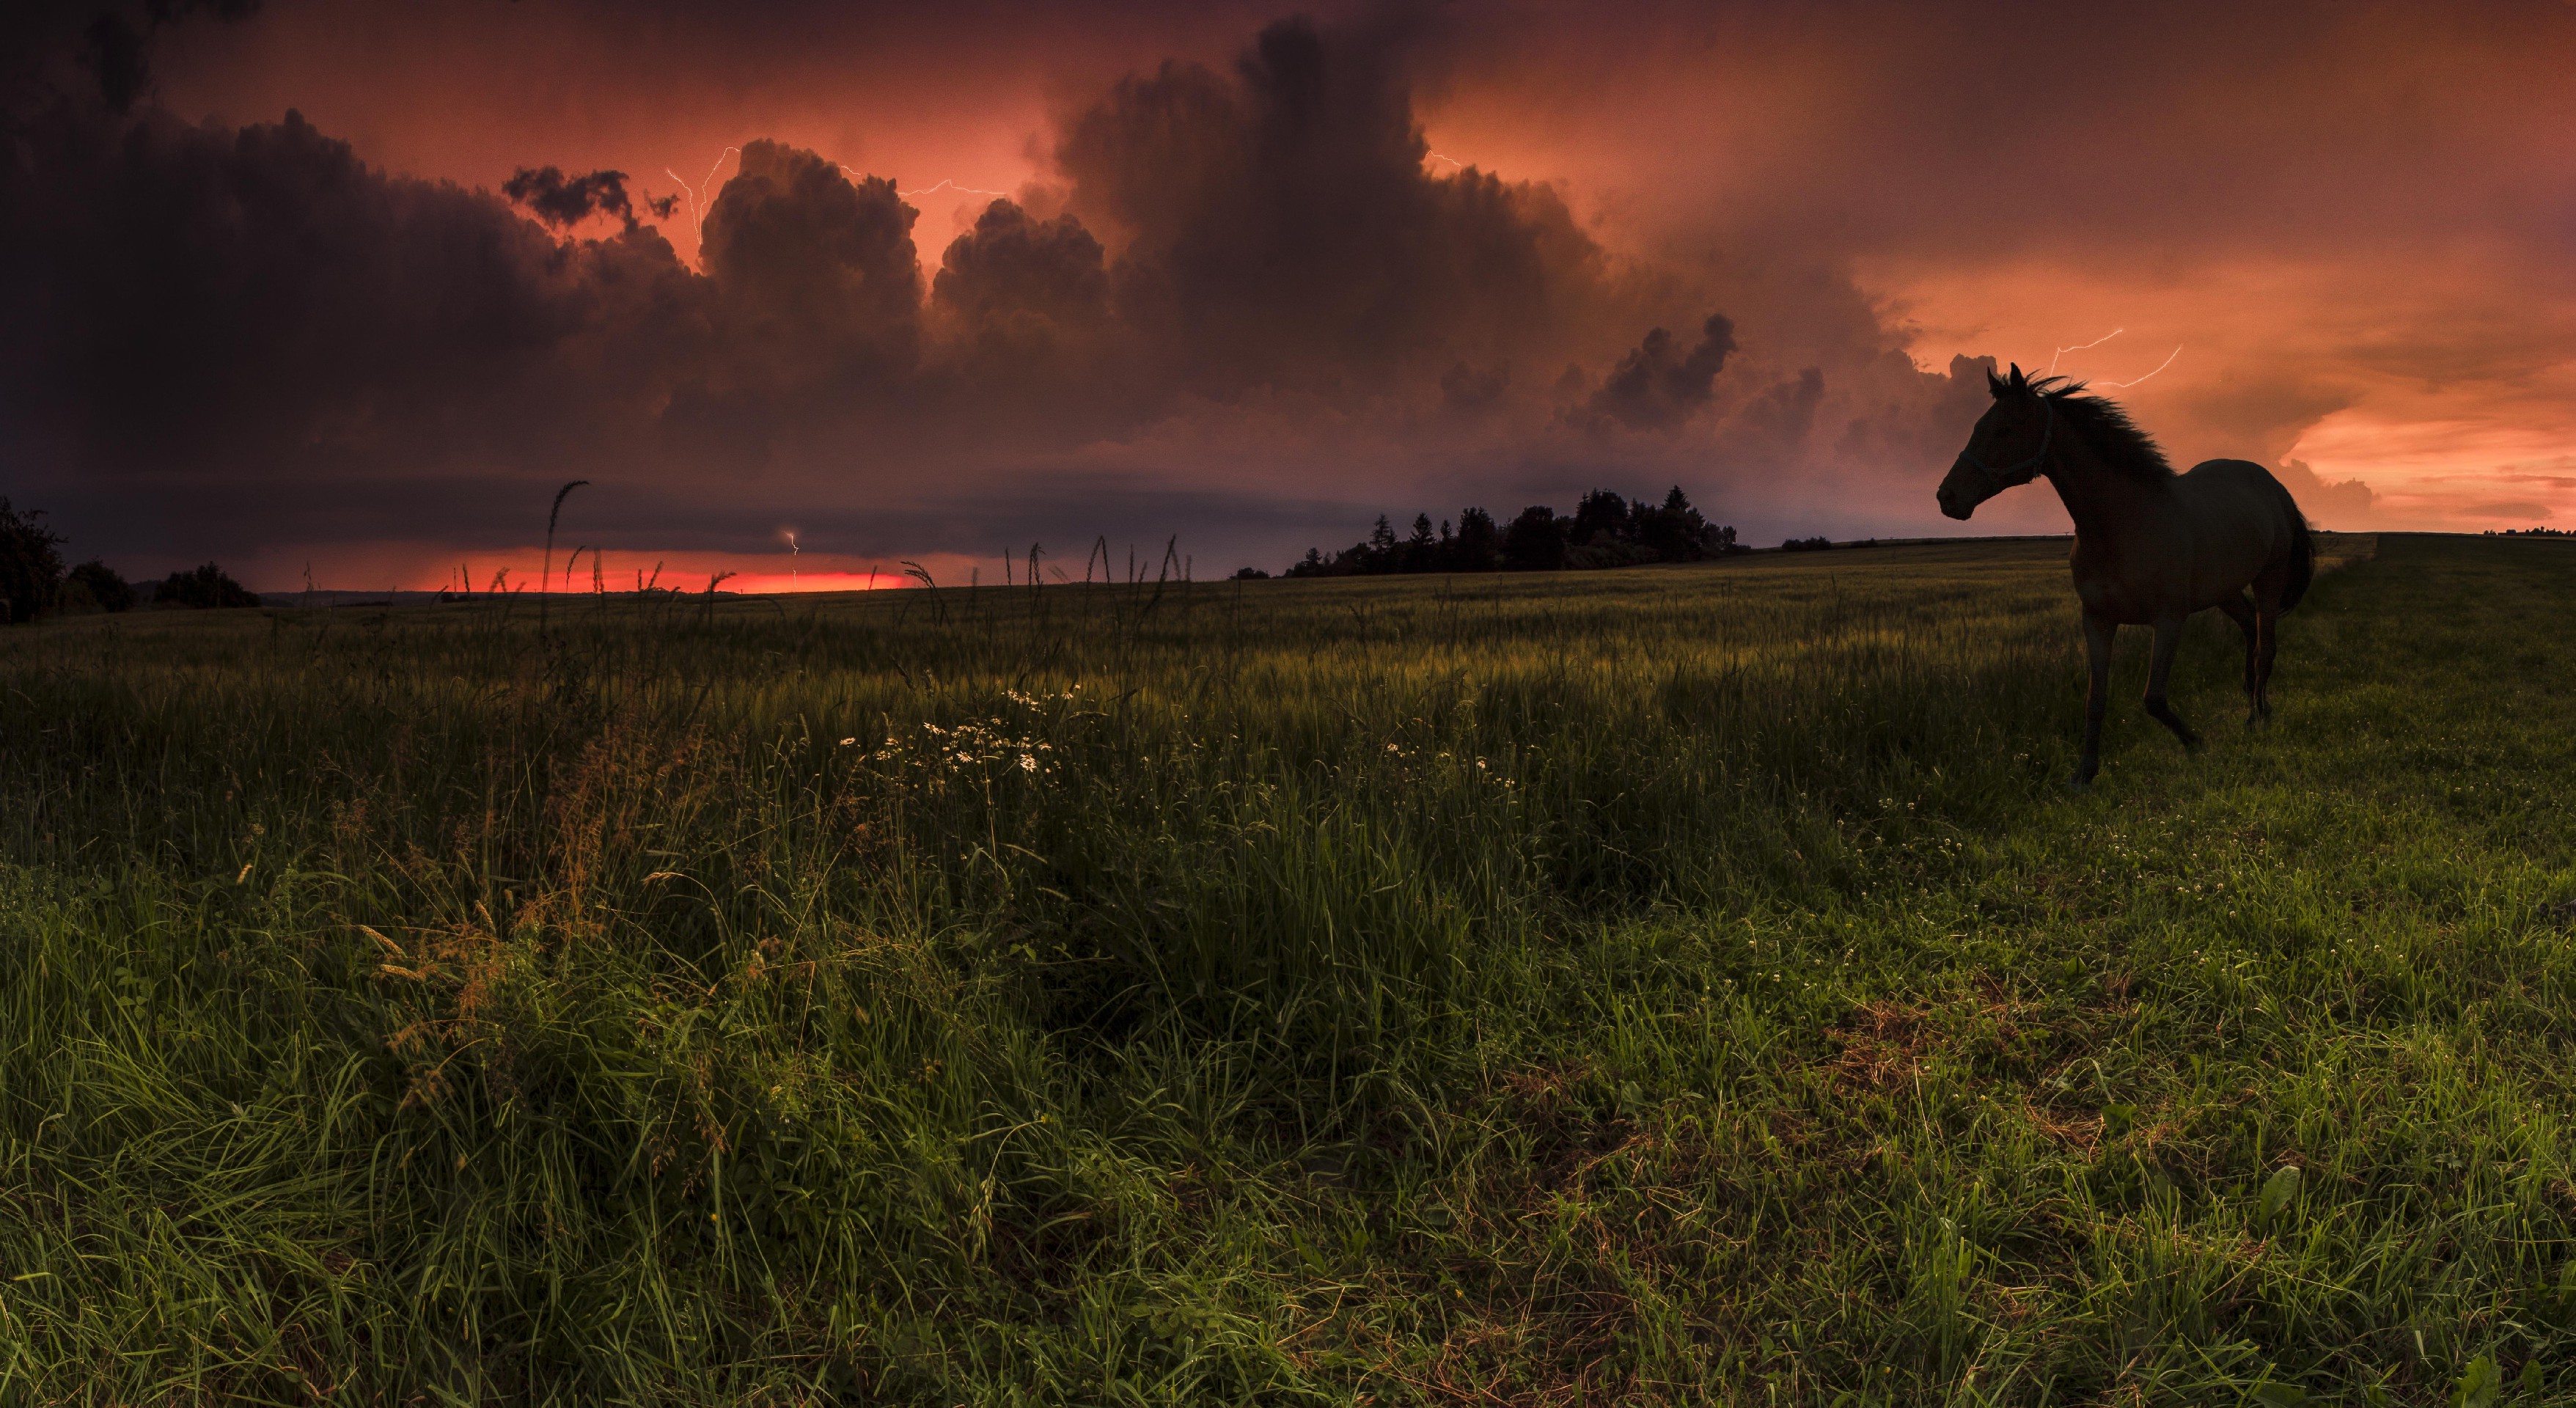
(1606, 529)
(33, 578)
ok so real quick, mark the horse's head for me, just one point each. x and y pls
(2008, 447)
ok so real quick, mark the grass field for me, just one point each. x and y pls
(1665, 985)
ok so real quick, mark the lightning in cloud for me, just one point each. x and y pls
(1453, 161)
(921, 192)
(697, 216)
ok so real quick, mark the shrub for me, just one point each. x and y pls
(30, 569)
(208, 586)
(96, 586)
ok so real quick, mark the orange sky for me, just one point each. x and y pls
(2335, 239)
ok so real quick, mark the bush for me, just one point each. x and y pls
(95, 586)
(1816, 544)
(1251, 574)
(208, 586)
(30, 569)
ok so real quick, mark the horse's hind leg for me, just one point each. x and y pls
(2243, 612)
(2267, 621)
(2168, 639)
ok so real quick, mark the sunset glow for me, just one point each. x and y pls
(1198, 272)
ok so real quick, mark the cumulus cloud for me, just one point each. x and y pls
(1658, 385)
(1278, 225)
(815, 271)
(564, 201)
(1248, 288)
(206, 299)
(1011, 268)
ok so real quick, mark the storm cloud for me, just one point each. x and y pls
(1659, 385)
(564, 201)
(1240, 276)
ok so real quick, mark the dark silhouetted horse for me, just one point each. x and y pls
(2151, 546)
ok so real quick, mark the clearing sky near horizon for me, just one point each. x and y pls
(360, 285)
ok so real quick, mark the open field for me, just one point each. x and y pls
(1661, 985)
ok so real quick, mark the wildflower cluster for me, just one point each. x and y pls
(974, 750)
(1412, 764)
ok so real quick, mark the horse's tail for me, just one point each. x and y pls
(2303, 555)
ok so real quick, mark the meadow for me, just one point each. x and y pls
(1664, 985)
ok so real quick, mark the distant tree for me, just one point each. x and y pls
(1479, 544)
(1602, 516)
(94, 584)
(30, 569)
(1421, 549)
(208, 586)
(1606, 530)
(1815, 544)
(1672, 531)
(1251, 574)
(1535, 541)
(1378, 554)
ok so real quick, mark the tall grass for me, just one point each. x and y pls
(1628, 986)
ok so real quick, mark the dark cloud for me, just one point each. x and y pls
(815, 272)
(2260, 416)
(1239, 276)
(1279, 227)
(564, 201)
(1466, 389)
(110, 44)
(2343, 503)
(113, 51)
(201, 298)
(1784, 413)
(1659, 385)
(1010, 269)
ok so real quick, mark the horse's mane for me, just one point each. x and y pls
(2107, 428)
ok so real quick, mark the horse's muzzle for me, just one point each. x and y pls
(1955, 502)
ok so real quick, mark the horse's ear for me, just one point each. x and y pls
(2019, 382)
(1995, 384)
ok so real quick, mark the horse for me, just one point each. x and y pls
(2151, 546)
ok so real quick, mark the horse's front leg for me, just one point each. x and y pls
(2098, 634)
(2168, 639)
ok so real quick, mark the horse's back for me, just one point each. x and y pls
(2246, 523)
(2233, 473)
(2239, 489)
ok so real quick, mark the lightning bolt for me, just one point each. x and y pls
(925, 191)
(2078, 347)
(2160, 366)
(1453, 161)
(697, 218)
(793, 552)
